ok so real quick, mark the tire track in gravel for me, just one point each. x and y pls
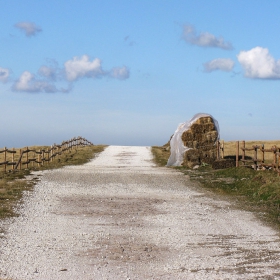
(121, 217)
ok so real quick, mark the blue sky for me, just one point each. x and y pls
(128, 72)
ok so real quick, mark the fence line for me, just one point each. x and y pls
(40, 157)
(257, 161)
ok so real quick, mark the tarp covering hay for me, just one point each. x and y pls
(194, 142)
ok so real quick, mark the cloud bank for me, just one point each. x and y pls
(121, 73)
(259, 64)
(82, 67)
(4, 75)
(48, 72)
(73, 70)
(204, 39)
(29, 28)
(223, 64)
(28, 83)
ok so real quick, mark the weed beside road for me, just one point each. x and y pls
(258, 191)
(161, 155)
(12, 184)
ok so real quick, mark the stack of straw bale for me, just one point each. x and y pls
(201, 138)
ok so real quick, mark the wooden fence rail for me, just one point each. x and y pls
(257, 159)
(39, 157)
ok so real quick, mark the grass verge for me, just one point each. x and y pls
(161, 155)
(257, 191)
(12, 184)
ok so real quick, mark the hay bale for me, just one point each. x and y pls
(201, 138)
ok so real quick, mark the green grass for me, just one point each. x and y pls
(257, 191)
(10, 192)
(12, 186)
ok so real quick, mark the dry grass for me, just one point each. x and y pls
(230, 149)
(161, 155)
(12, 186)
(9, 156)
(11, 190)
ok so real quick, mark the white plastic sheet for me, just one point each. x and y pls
(177, 147)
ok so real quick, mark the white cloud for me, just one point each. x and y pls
(259, 64)
(48, 72)
(28, 83)
(204, 39)
(223, 64)
(75, 68)
(121, 73)
(82, 67)
(29, 28)
(4, 74)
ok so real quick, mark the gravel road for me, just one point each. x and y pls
(121, 217)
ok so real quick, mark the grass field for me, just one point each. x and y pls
(259, 191)
(17, 155)
(12, 184)
(230, 148)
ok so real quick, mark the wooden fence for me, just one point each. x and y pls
(26, 156)
(254, 156)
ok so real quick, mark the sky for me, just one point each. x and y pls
(127, 72)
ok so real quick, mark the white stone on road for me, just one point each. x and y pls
(121, 217)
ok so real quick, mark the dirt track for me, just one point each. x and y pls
(120, 217)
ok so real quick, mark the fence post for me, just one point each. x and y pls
(255, 157)
(20, 159)
(275, 157)
(38, 158)
(262, 153)
(51, 153)
(43, 157)
(223, 149)
(34, 157)
(237, 154)
(243, 151)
